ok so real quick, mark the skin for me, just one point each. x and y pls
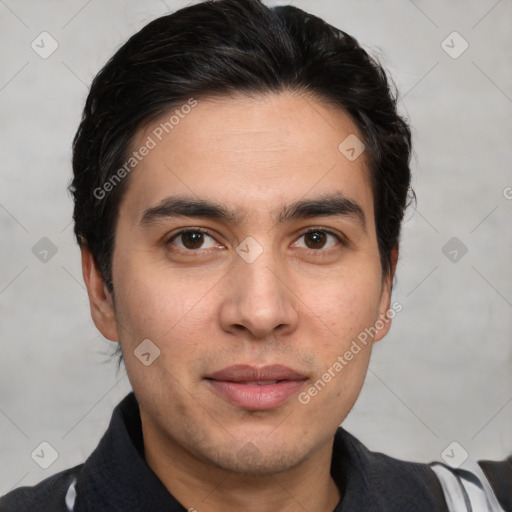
(208, 308)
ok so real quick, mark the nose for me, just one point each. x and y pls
(259, 298)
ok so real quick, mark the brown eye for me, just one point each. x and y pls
(191, 239)
(317, 239)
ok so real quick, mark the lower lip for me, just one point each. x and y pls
(249, 396)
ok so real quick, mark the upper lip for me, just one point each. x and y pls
(246, 373)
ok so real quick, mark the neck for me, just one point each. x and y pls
(200, 486)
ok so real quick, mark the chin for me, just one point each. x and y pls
(252, 459)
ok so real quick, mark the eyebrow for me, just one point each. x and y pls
(335, 204)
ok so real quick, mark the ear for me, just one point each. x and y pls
(383, 322)
(100, 299)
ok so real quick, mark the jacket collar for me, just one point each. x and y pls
(116, 477)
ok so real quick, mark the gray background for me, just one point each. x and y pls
(443, 373)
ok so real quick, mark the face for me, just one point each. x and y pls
(250, 303)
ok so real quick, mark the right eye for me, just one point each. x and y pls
(192, 239)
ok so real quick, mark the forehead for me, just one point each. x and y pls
(251, 153)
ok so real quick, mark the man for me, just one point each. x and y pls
(240, 178)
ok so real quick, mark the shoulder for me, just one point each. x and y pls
(499, 474)
(48, 495)
(418, 481)
(391, 484)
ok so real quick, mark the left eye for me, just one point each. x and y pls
(317, 238)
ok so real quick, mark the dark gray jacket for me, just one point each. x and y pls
(116, 478)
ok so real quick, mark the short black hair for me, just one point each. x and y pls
(232, 47)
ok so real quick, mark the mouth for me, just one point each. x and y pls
(252, 388)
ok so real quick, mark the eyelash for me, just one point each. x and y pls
(206, 232)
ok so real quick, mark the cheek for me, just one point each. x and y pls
(173, 312)
(341, 318)
(151, 309)
(348, 305)
(151, 303)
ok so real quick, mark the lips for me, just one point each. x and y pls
(246, 373)
(252, 388)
